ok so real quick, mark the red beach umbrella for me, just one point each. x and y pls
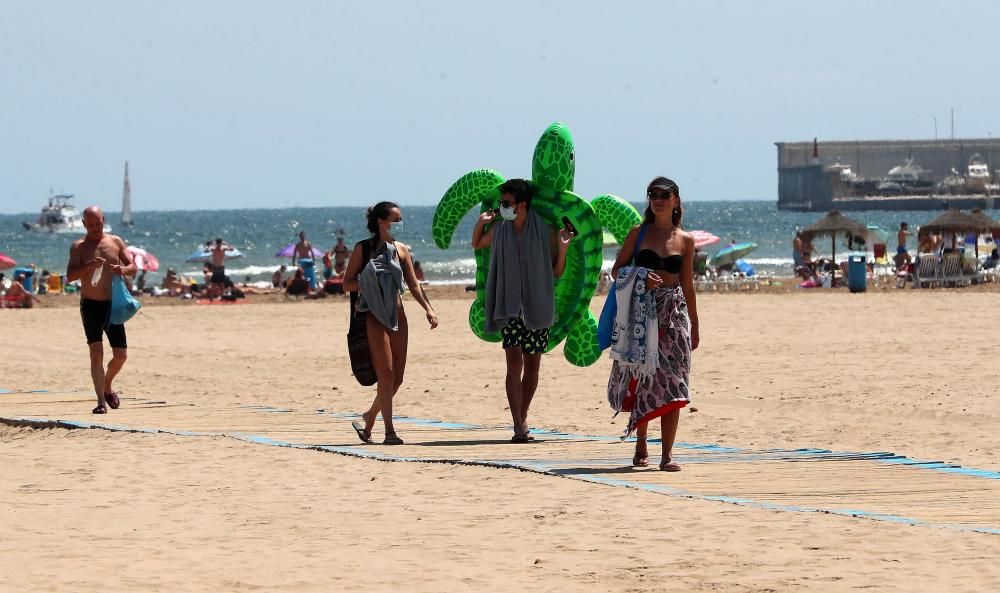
(6, 261)
(144, 260)
(704, 239)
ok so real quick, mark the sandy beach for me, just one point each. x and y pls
(913, 372)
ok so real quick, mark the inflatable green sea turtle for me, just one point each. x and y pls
(552, 171)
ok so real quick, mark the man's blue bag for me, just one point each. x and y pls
(123, 305)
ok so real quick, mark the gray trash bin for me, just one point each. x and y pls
(857, 273)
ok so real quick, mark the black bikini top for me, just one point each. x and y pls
(647, 258)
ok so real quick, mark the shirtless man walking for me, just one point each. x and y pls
(92, 260)
(303, 249)
(219, 266)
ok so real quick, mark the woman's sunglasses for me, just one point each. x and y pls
(658, 195)
(507, 204)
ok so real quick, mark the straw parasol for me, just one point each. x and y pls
(955, 221)
(988, 224)
(834, 222)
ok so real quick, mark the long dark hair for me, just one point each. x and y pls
(378, 212)
(678, 212)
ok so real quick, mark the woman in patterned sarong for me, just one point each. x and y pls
(668, 253)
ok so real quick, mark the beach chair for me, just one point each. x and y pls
(951, 270)
(55, 283)
(927, 271)
(971, 271)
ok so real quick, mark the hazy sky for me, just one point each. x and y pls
(226, 104)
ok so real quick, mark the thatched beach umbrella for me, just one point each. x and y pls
(988, 225)
(955, 221)
(834, 222)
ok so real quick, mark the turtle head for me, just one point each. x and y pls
(554, 163)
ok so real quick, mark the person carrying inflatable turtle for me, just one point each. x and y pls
(526, 257)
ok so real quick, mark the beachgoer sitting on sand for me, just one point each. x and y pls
(172, 284)
(17, 296)
(278, 278)
(231, 292)
(298, 285)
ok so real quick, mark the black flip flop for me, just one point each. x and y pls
(99, 410)
(359, 428)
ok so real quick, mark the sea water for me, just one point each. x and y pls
(172, 236)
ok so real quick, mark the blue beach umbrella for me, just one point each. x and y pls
(730, 253)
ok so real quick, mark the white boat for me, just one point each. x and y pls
(978, 176)
(59, 216)
(906, 178)
(954, 183)
(844, 170)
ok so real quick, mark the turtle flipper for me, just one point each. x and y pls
(616, 215)
(477, 187)
(581, 347)
(477, 321)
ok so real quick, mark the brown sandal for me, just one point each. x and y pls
(112, 400)
(669, 466)
(640, 460)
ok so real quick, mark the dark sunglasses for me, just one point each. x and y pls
(507, 204)
(659, 195)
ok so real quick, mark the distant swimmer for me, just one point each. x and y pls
(93, 260)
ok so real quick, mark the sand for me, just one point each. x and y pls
(907, 371)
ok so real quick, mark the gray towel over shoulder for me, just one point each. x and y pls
(381, 283)
(520, 281)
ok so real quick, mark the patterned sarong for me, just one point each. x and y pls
(649, 398)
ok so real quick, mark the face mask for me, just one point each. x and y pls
(507, 213)
(395, 227)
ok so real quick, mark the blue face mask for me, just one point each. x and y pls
(395, 227)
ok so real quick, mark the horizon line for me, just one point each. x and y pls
(361, 206)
